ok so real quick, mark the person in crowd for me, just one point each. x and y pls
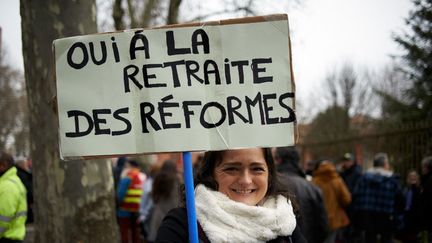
(13, 205)
(117, 170)
(129, 195)
(350, 172)
(238, 198)
(313, 220)
(26, 177)
(378, 201)
(426, 196)
(165, 195)
(336, 197)
(309, 169)
(412, 211)
(146, 204)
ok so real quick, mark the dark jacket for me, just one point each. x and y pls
(377, 192)
(426, 200)
(351, 176)
(313, 221)
(377, 201)
(174, 229)
(413, 210)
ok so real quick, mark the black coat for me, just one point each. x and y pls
(313, 220)
(426, 200)
(174, 229)
(351, 176)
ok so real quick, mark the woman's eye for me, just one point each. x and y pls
(258, 169)
(230, 169)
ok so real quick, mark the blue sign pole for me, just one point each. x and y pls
(190, 197)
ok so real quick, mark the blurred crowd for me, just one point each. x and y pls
(360, 204)
(337, 200)
(144, 196)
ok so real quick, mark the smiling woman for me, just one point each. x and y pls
(238, 199)
(242, 175)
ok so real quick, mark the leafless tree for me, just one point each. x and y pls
(391, 86)
(141, 14)
(347, 104)
(12, 108)
(349, 88)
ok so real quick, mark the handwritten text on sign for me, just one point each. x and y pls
(178, 89)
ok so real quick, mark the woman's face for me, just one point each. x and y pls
(413, 178)
(243, 175)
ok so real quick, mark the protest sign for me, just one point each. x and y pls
(207, 86)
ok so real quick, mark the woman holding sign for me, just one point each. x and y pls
(238, 199)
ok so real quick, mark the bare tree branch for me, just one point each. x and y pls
(332, 88)
(132, 15)
(173, 11)
(10, 93)
(347, 82)
(117, 15)
(235, 8)
(147, 15)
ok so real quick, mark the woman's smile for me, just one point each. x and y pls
(244, 191)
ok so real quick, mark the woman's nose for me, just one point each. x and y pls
(245, 177)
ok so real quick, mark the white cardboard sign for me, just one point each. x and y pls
(207, 86)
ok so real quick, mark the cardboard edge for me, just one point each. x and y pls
(245, 20)
(54, 99)
(296, 133)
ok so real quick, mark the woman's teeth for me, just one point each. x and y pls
(243, 191)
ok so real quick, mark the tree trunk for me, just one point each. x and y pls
(173, 11)
(147, 14)
(131, 10)
(117, 14)
(74, 200)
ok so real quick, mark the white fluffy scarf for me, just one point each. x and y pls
(225, 220)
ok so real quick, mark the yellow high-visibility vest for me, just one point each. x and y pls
(131, 201)
(13, 206)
